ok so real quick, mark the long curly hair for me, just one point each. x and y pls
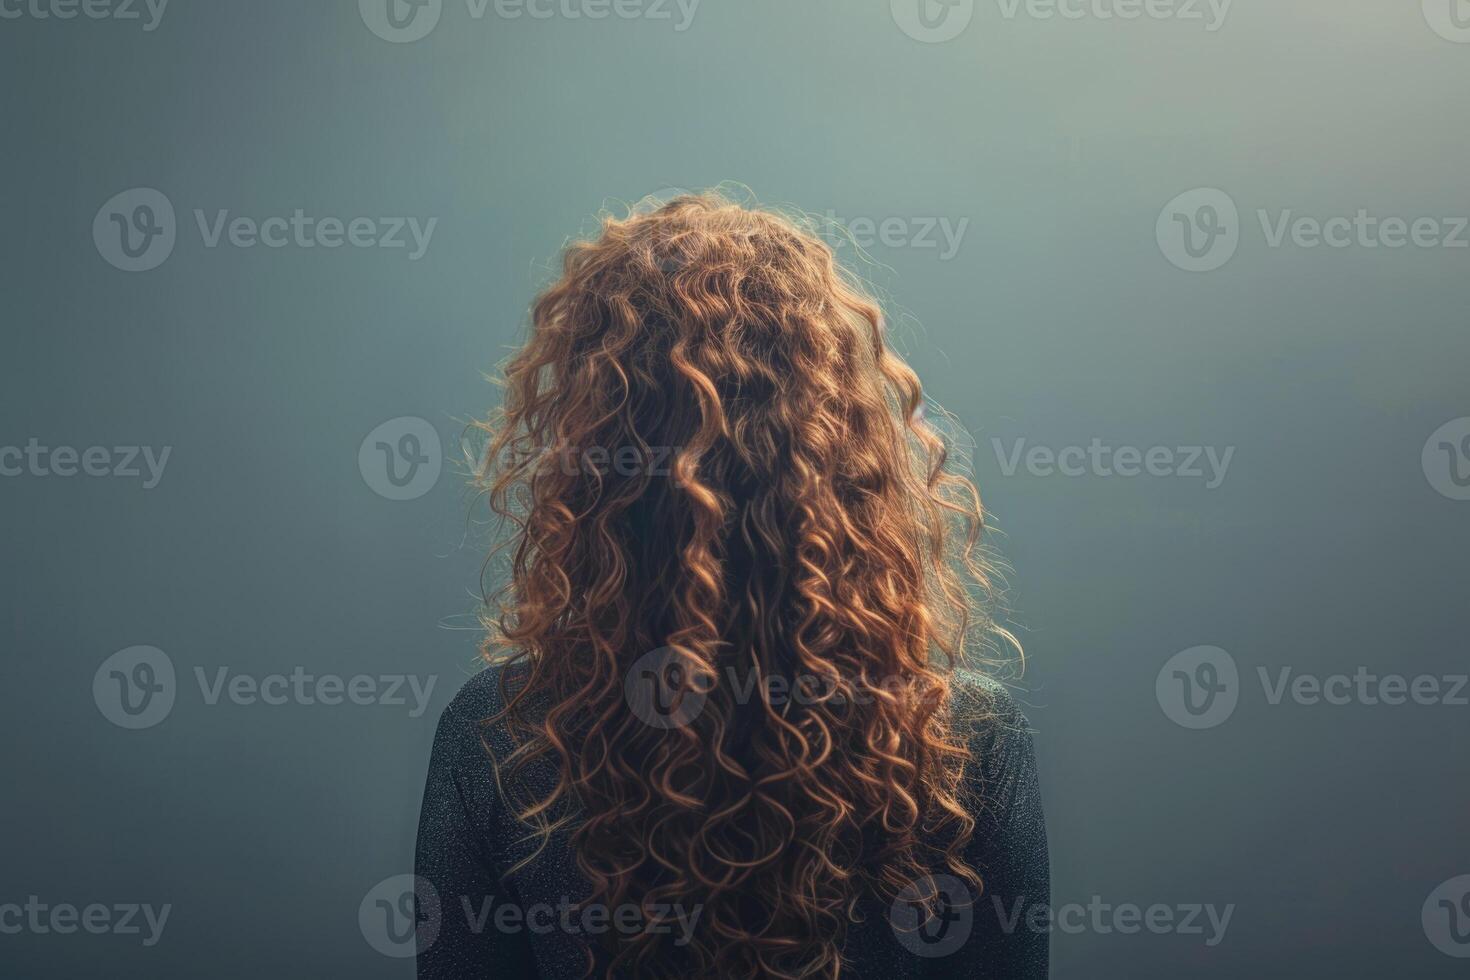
(722, 488)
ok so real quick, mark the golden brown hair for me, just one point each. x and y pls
(708, 451)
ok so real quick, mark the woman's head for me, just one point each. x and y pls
(740, 577)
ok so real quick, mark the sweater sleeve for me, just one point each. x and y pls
(454, 862)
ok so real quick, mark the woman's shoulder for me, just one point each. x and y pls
(999, 736)
(483, 694)
(472, 721)
(985, 703)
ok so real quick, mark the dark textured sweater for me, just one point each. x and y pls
(474, 922)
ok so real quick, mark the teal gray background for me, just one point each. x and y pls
(1326, 547)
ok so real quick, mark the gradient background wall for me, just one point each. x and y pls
(1335, 541)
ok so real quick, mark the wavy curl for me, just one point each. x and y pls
(805, 529)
